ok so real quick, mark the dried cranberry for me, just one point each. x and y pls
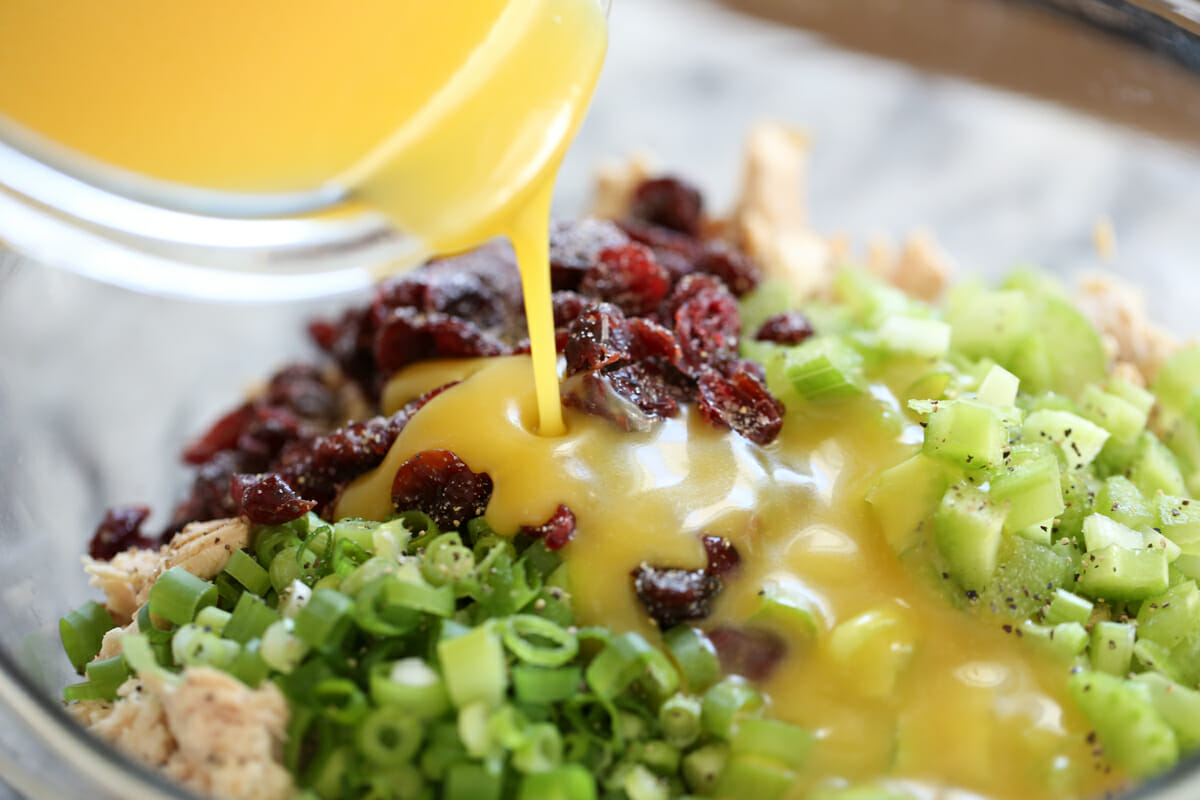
(628, 276)
(223, 435)
(753, 653)
(669, 202)
(721, 554)
(209, 497)
(439, 483)
(407, 335)
(556, 531)
(118, 531)
(650, 340)
(268, 499)
(301, 389)
(790, 327)
(671, 596)
(733, 267)
(668, 245)
(741, 402)
(574, 247)
(597, 338)
(707, 325)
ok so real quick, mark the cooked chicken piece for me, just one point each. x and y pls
(1118, 310)
(924, 270)
(111, 645)
(208, 731)
(202, 548)
(771, 221)
(125, 580)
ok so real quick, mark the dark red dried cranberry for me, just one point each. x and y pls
(439, 483)
(669, 202)
(209, 497)
(302, 389)
(671, 596)
(567, 306)
(732, 266)
(790, 327)
(648, 339)
(753, 653)
(707, 325)
(556, 531)
(408, 335)
(597, 338)
(574, 247)
(721, 554)
(268, 499)
(223, 435)
(741, 402)
(628, 276)
(665, 243)
(118, 531)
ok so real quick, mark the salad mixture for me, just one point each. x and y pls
(813, 531)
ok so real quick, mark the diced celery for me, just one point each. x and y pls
(1027, 575)
(787, 602)
(988, 324)
(967, 529)
(999, 387)
(1031, 487)
(1065, 345)
(1067, 607)
(1178, 705)
(1100, 532)
(1065, 640)
(824, 368)
(1115, 573)
(1185, 656)
(1141, 399)
(1153, 468)
(1119, 499)
(1179, 520)
(1079, 439)
(1039, 532)
(765, 301)
(1115, 414)
(926, 338)
(1135, 737)
(1111, 647)
(1153, 656)
(1178, 379)
(906, 495)
(870, 299)
(1169, 618)
(875, 647)
(1183, 439)
(968, 433)
(1153, 539)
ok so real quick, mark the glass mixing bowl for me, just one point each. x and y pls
(1007, 129)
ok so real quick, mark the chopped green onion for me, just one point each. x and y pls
(280, 649)
(523, 635)
(540, 685)
(473, 666)
(213, 619)
(725, 703)
(250, 619)
(680, 719)
(178, 595)
(248, 572)
(341, 700)
(541, 749)
(82, 633)
(325, 619)
(105, 677)
(694, 655)
(567, 782)
(411, 686)
(467, 781)
(703, 766)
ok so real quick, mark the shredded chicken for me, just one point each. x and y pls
(771, 220)
(207, 730)
(1118, 311)
(202, 548)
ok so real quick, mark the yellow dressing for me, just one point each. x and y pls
(968, 706)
